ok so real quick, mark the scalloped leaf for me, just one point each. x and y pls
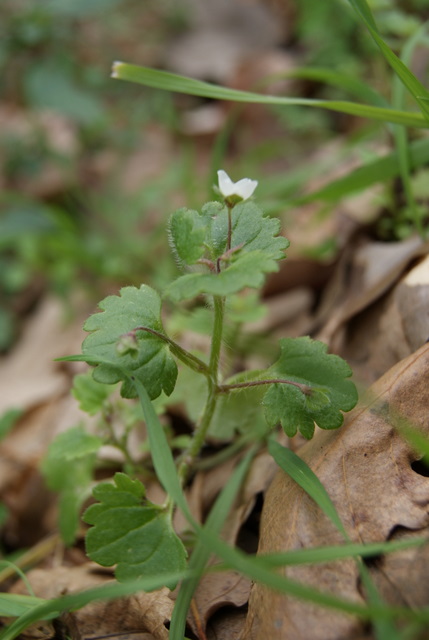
(131, 532)
(246, 270)
(151, 362)
(68, 469)
(326, 393)
(195, 235)
(187, 233)
(90, 394)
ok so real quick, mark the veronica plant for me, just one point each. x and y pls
(222, 250)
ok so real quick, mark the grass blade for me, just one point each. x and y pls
(299, 471)
(202, 552)
(380, 170)
(182, 84)
(414, 86)
(53, 608)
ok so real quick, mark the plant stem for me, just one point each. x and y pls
(224, 388)
(203, 425)
(219, 312)
(185, 356)
(228, 243)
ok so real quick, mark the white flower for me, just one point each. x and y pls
(241, 190)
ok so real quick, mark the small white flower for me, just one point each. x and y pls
(241, 190)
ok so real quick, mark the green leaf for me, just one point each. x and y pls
(134, 534)
(187, 234)
(152, 363)
(255, 250)
(68, 469)
(90, 394)
(246, 270)
(325, 391)
(239, 411)
(173, 82)
(195, 235)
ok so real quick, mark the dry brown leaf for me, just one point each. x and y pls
(366, 468)
(361, 278)
(141, 612)
(226, 625)
(29, 376)
(215, 592)
(391, 329)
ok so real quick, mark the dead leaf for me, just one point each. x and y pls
(361, 278)
(29, 376)
(366, 468)
(392, 328)
(217, 591)
(141, 612)
(226, 625)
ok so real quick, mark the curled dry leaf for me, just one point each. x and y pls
(362, 277)
(392, 328)
(367, 469)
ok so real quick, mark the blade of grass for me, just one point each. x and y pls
(343, 81)
(400, 133)
(299, 471)
(202, 552)
(182, 84)
(13, 605)
(380, 170)
(330, 554)
(414, 86)
(49, 609)
(255, 569)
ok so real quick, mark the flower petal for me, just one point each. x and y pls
(243, 189)
(226, 185)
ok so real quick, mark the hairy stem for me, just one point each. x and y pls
(185, 356)
(203, 425)
(224, 388)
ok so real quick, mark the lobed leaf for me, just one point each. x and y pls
(151, 362)
(187, 234)
(68, 469)
(255, 249)
(325, 391)
(90, 394)
(132, 533)
(246, 270)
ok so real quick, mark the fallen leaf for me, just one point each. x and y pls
(29, 376)
(392, 328)
(217, 591)
(362, 277)
(141, 612)
(366, 468)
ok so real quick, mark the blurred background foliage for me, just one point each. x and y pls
(92, 167)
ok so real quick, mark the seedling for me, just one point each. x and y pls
(222, 250)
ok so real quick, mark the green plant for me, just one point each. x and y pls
(225, 248)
